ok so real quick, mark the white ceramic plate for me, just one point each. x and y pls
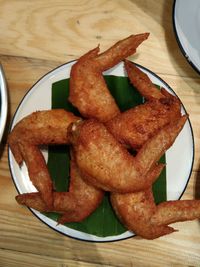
(3, 102)
(179, 157)
(186, 21)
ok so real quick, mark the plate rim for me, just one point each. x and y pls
(4, 102)
(9, 151)
(183, 51)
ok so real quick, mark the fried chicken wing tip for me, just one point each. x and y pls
(163, 230)
(183, 119)
(145, 34)
(32, 200)
(18, 199)
(91, 53)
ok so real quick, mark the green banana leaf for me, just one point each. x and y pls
(103, 221)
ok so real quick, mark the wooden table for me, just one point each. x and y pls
(37, 36)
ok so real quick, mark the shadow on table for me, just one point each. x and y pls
(6, 130)
(183, 68)
(4, 140)
(177, 58)
(197, 186)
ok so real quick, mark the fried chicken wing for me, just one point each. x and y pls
(135, 210)
(37, 170)
(140, 214)
(105, 163)
(142, 82)
(88, 90)
(176, 211)
(136, 125)
(119, 51)
(75, 205)
(41, 128)
(61, 202)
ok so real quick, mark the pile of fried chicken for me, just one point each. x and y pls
(100, 141)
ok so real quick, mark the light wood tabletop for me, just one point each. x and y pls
(36, 37)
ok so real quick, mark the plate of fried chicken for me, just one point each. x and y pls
(112, 151)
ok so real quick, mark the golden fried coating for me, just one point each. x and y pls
(88, 90)
(176, 211)
(136, 125)
(135, 210)
(105, 163)
(75, 205)
(119, 51)
(61, 201)
(142, 82)
(140, 214)
(41, 128)
(86, 196)
(37, 170)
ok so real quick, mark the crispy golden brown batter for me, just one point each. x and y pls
(176, 211)
(142, 82)
(136, 125)
(75, 205)
(88, 90)
(135, 210)
(37, 170)
(61, 201)
(140, 214)
(107, 164)
(41, 128)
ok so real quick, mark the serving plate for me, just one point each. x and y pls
(186, 22)
(179, 157)
(3, 102)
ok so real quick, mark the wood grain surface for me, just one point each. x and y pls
(37, 36)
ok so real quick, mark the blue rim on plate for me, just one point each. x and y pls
(179, 35)
(10, 157)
